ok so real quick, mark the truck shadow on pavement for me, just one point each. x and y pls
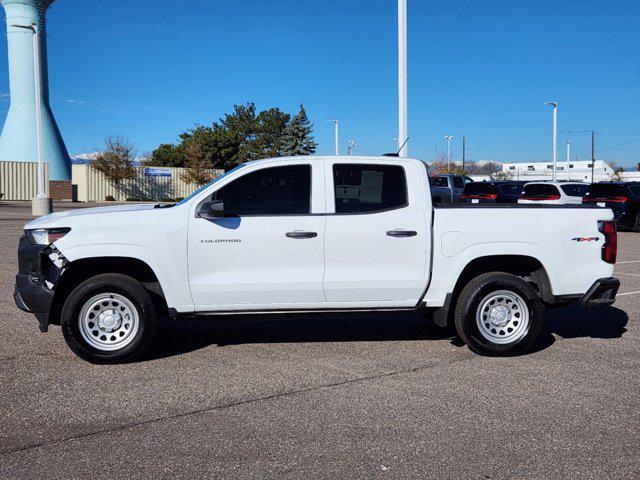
(578, 322)
(177, 337)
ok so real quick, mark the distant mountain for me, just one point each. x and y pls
(82, 158)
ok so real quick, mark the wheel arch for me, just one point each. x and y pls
(77, 271)
(523, 266)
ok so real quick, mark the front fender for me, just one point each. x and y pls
(171, 275)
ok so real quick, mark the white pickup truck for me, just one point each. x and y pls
(314, 234)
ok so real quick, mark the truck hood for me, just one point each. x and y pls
(59, 219)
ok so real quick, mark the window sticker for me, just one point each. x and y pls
(371, 187)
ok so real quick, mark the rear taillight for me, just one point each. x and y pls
(618, 199)
(488, 196)
(539, 197)
(610, 247)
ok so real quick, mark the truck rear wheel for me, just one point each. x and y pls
(498, 314)
(109, 318)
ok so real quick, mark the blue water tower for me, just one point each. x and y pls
(18, 141)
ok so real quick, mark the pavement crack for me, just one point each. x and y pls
(248, 401)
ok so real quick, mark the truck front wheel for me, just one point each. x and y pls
(498, 314)
(109, 318)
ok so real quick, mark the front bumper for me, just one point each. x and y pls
(36, 277)
(602, 292)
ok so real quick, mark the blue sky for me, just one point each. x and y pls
(483, 69)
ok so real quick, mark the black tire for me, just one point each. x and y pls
(636, 226)
(121, 285)
(469, 318)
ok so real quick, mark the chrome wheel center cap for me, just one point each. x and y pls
(499, 315)
(109, 320)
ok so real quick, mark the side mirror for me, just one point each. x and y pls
(212, 209)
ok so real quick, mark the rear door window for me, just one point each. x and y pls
(458, 182)
(575, 190)
(363, 188)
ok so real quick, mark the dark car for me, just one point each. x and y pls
(621, 197)
(492, 192)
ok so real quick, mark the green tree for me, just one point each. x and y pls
(638, 167)
(271, 126)
(241, 136)
(115, 162)
(298, 138)
(167, 155)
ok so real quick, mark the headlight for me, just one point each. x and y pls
(46, 236)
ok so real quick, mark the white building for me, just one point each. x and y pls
(576, 170)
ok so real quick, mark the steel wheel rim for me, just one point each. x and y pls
(108, 321)
(502, 317)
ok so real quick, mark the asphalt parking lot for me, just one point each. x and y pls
(339, 396)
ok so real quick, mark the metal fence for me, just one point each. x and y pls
(18, 182)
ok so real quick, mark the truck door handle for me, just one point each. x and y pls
(402, 233)
(301, 234)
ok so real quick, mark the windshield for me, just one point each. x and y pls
(204, 187)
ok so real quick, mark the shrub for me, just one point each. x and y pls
(109, 198)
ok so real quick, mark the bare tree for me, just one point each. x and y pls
(199, 162)
(501, 175)
(440, 165)
(115, 162)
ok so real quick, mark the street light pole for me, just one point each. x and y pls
(351, 144)
(593, 153)
(555, 136)
(568, 142)
(41, 204)
(335, 135)
(402, 78)
(449, 139)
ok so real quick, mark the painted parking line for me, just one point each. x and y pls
(632, 274)
(629, 261)
(628, 293)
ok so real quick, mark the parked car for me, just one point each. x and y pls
(492, 192)
(553, 193)
(312, 234)
(621, 197)
(447, 188)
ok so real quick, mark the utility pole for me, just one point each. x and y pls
(351, 144)
(464, 152)
(593, 149)
(402, 78)
(555, 136)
